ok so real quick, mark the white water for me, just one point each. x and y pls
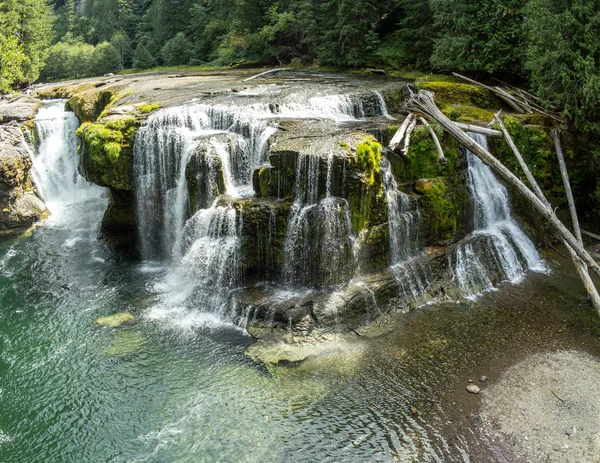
(512, 252)
(55, 161)
(165, 144)
(404, 218)
(319, 237)
(204, 250)
(382, 105)
(76, 205)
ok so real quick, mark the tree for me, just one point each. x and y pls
(29, 22)
(12, 58)
(122, 44)
(563, 58)
(142, 58)
(479, 36)
(106, 59)
(177, 50)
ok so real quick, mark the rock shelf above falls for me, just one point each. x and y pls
(275, 203)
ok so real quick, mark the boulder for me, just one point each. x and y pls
(20, 207)
(20, 110)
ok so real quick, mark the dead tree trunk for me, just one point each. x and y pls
(567, 184)
(424, 105)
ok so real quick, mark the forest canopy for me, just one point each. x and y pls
(552, 46)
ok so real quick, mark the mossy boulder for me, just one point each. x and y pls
(88, 103)
(115, 320)
(445, 209)
(20, 207)
(107, 152)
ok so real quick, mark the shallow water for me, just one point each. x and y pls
(162, 391)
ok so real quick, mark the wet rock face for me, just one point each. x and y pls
(20, 208)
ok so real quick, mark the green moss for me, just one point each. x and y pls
(368, 155)
(440, 211)
(264, 177)
(107, 152)
(147, 108)
(459, 93)
(421, 160)
(467, 114)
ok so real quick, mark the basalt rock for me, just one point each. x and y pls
(20, 207)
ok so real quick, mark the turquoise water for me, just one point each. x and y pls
(162, 390)
(156, 390)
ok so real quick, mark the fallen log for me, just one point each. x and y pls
(423, 104)
(409, 132)
(565, 178)
(478, 129)
(441, 157)
(267, 72)
(591, 235)
(399, 135)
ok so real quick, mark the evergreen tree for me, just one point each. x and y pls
(479, 36)
(563, 57)
(142, 58)
(177, 50)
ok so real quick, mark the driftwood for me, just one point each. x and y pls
(478, 129)
(409, 132)
(424, 105)
(399, 135)
(520, 100)
(380, 72)
(580, 266)
(591, 235)
(267, 72)
(441, 157)
(567, 184)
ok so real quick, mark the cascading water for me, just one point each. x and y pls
(73, 202)
(231, 140)
(506, 252)
(55, 160)
(383, 106)
(404, 218)
(319, 238)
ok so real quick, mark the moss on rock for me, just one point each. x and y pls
(107, 152)
(460, 93)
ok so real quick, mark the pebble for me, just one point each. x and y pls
(473, 389)
(470, 380)
(483, 379)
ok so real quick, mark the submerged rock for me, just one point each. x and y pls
(126, 342)
(116, 320)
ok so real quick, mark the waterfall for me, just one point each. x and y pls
(318, 241)
(404, 218)
(55, 160)
(76, 206)
(505, 252)
(239, 134)
(201, 236)
(382, 105)
(404, 228)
